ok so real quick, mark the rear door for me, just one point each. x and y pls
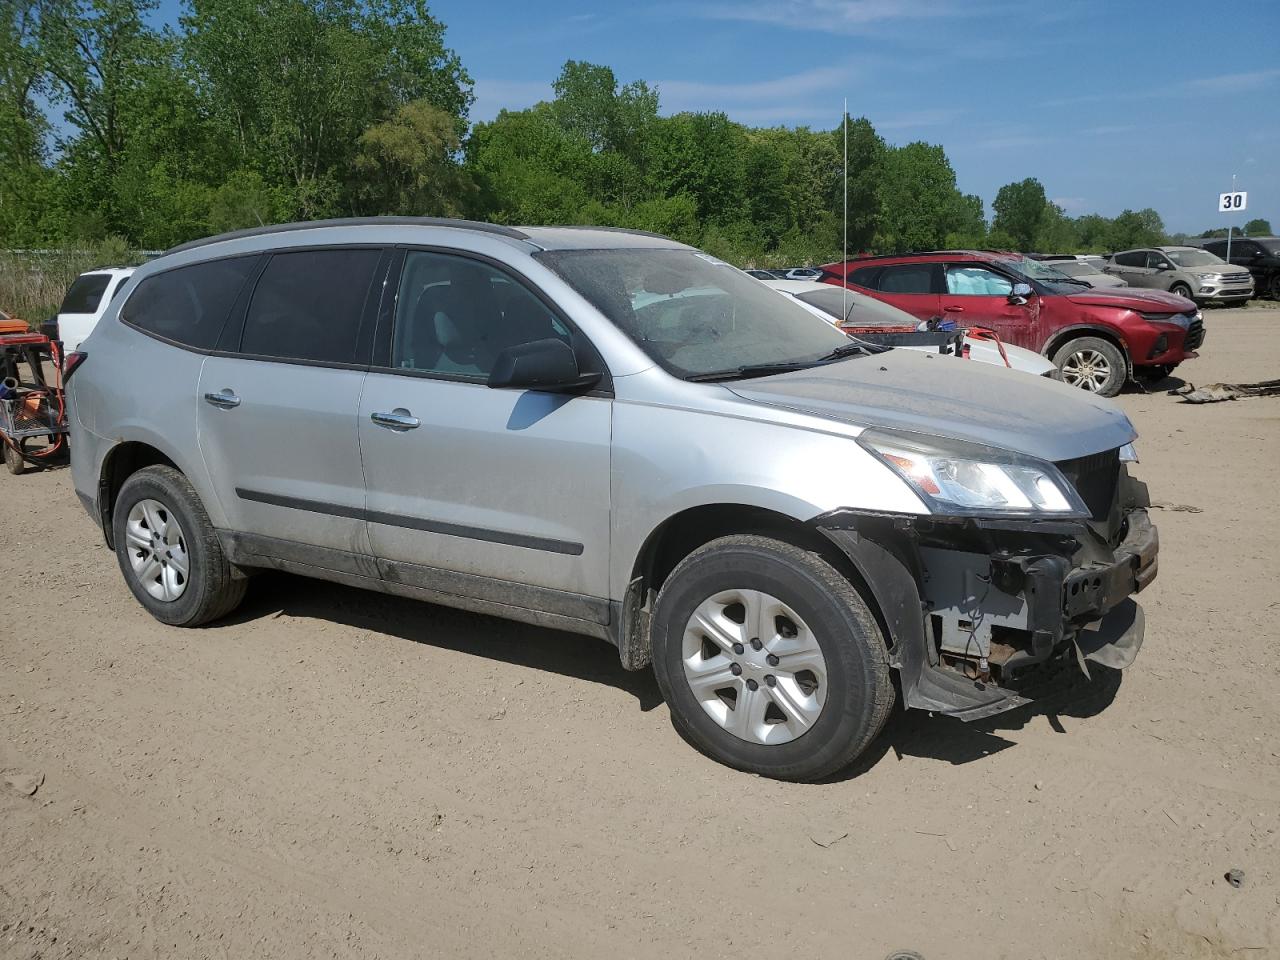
(279, 399)
(979, 296)
(913, 287)
(1130, 266)
(499, 494)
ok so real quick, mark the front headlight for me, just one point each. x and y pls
(969, 479)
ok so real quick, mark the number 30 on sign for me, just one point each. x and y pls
(1231, 202)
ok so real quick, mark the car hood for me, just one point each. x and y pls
(1133, 298)
(1105, 280)
(942, 397)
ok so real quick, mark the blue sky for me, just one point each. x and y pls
(1128, 103)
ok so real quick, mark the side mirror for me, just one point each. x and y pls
(547, 364)
(1164, 265)
(1020, 294)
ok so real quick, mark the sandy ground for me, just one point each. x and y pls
(334, 773)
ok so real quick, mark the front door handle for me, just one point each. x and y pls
(398, 419)
(226, 400)
(953, 309)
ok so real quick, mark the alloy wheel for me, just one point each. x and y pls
(754, 666)
(157, 550)
(1087, 369)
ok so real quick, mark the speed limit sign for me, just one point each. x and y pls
(1232, 202)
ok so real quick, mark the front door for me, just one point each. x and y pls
(977, 296)
(500, 494)
(277, 421)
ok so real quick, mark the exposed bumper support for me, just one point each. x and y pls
(971, 605)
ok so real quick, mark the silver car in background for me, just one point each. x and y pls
(1186, 271)
(618, 435)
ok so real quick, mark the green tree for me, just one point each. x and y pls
(1258, 227)
(920, 205)
(1020, 208)
(1141, 228)
(406, 165)
(294, 83)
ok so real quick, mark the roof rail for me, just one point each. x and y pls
(267, 230)
(587, 226)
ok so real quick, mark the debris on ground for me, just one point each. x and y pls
(1176, 507)
(1235, 877)
(1215, 392)
(25, 783)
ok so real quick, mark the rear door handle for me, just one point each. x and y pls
(398, 419)
(953, 309)
(226, 399)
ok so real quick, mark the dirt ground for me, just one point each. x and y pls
(334, 773)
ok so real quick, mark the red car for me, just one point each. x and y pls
(1098, 338)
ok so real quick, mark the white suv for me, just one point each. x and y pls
(85, 303)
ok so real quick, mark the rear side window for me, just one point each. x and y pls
(307, 305)
(1218, 247)
(907, 278)
(188, 305)
(865, 277)
(85, 294)
(1137, 258)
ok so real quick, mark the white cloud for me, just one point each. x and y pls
(1234, 82)
(836, 16)
(680, 95)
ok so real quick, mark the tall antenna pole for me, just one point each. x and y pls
(844, 243)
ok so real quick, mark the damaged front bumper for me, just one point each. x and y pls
(974, 607)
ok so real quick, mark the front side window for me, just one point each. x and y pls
(85, 295)
(692, 314)
(907, 278)
(455, 315)
(307, 305)
(971, 281)
(188, 305)
(1155, 260)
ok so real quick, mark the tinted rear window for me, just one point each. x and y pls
(85, 294)
(307, 305)
(189, 305)
(865, 277)
(908, 278)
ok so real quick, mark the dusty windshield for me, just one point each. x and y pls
(1049, 277)
(1193, 258)
(693, 314)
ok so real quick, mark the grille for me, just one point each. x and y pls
(1095, 478)
(1195, 334)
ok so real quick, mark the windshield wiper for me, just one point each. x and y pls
(787, 366)
(1083, 283)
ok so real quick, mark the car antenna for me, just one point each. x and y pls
(844, 242)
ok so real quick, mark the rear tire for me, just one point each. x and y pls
(168, 551)
(822, 689)
(1092, 364)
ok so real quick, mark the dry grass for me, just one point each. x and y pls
(32, 284)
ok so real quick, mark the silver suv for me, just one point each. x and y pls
(1187, 271)
(614, 434)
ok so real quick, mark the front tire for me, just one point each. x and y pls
(1092, 364)
(1182, 290)
(169, 552)
(769, 659)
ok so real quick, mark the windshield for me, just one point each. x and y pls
(1193, 258)
(1047, 275)
(1075, 268)
(859, 310)
(693, 314)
